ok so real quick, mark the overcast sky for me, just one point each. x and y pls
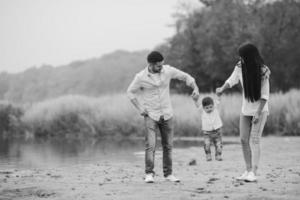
(56, 32)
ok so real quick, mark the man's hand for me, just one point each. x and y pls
(144, 112)
(139, 107)
(195, 95)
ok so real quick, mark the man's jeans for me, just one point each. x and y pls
(214, 137)
(165, 127)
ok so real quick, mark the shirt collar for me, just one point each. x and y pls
(150, 74)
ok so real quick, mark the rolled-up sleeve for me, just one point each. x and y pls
(234, 77)
(133, 88)
(180, 75)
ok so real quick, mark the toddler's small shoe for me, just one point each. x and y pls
(208, 157)
(219, 158)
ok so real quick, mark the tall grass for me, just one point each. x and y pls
(284, 116)
(114, 115)
(73, 114)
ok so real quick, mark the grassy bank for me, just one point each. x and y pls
(114, 115)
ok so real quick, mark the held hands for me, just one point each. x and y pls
(219, 91)
(197, 104)
(195, 95)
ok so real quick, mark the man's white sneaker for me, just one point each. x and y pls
(149, 178)
(172, 178)
(243, 176)
(251, 177)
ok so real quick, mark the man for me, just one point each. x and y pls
(149, 93)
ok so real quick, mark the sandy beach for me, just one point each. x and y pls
(278, 178)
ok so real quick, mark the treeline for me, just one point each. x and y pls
(207, 40)
(110, 73)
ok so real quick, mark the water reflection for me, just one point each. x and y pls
(51, 152)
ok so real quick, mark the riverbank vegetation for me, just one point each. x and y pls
(113, 115)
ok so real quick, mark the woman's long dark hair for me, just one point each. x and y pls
(251, 63)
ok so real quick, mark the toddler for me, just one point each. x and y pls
(211, 126)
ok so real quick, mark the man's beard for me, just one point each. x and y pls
(158, 70)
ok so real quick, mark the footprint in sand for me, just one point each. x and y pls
(107, 179)
(212, 180)
(237, 183)
(5, 172)
(263, 189)
(192, 162)
(202, 190)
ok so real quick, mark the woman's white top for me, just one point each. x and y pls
(250, 108)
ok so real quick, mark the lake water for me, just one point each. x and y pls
(53, 152)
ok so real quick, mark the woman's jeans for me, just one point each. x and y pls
(165, 127)
(251, 132)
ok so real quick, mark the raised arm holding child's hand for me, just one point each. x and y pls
(220, 90)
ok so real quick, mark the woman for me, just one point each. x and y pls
(253, 75)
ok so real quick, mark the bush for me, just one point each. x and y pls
(10, 123)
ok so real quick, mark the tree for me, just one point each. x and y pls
(207, 40)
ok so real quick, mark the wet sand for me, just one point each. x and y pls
(279, 177)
